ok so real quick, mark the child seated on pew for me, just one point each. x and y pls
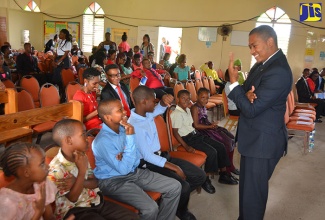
(30, 194)
(70, 170)
(204, 126)
(190, 139)
(117, 160)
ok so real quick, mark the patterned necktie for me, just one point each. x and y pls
(124, 102)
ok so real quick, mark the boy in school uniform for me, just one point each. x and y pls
(117, 160)
(142, 118)
(185, 133)
(71, 172)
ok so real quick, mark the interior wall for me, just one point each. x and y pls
(182, 13)
(20, 20)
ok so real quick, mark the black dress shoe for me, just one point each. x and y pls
(226, 178)
(208, 187)
(235, 171)
(318, 121)
(185, 215)
(234, 178)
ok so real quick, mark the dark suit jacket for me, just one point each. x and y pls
(108, 93)
(303, 91)
(25, 66)
(261, 129)
(321, 81)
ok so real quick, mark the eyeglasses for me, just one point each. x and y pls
(114, 76)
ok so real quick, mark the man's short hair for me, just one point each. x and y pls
(142, 92)
(111, 66)
(25, 44)
(265, 32)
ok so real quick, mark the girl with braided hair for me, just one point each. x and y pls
(30, 194)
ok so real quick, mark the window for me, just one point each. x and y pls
(280, 21)
(32, 6)
(93, 27)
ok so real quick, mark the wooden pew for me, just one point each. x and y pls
(16, 125)
(9, 98)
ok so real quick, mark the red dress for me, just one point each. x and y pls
(90, 105)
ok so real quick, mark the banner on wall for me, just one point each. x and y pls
(52, 28)
(322, 56)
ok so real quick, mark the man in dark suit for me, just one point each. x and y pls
(114, 88)
(320, 81)
(262, 134)
(305, 96)
(27, 64)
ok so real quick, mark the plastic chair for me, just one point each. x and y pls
(197, 159)
(300, 114)
(91, 134)
(232, 121)
(80, 75)
(297, 125)
(310, 106)
(8, 83)
(71, 89)
(41, 66)
(48, 67)
(213, 88)
(294, 109)
(194, 158)
(166, 81)
(50, 152)
(134, 83)
(31, 84)
(67, 76)
(25, 100)
(205, 83)
(198, 84)
(197, 74)
(178, 87)
(191, 88)
(40, 56)
(74, 60)
(49, 95)
(220, 74)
